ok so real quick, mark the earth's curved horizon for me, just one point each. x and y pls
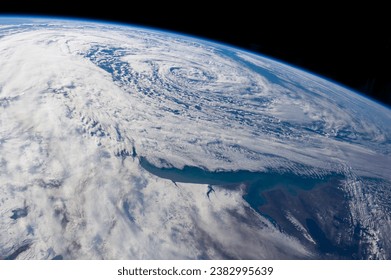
(121, 142)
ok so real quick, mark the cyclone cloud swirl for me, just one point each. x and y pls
(82, 102)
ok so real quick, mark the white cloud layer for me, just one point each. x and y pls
(74, 97)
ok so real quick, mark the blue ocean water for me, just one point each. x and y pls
(255, 182)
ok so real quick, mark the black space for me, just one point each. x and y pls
(351, 46)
